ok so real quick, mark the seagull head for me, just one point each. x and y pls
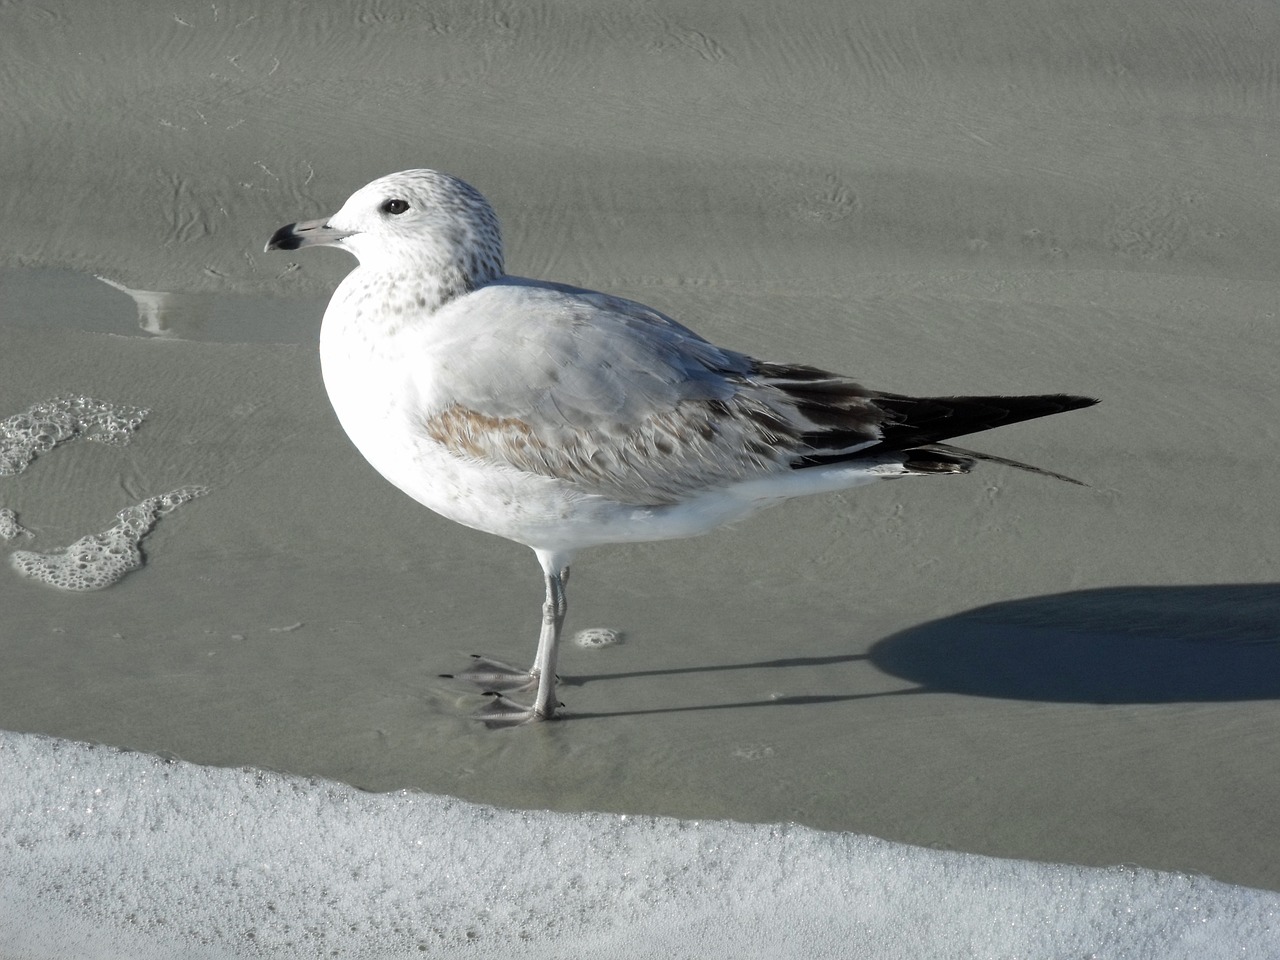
(416, 220)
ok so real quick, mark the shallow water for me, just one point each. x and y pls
(815, 664)
(66, 299)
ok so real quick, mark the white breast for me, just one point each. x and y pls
(380, 377)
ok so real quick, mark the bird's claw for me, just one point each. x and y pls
(495, 675)
(502, 711)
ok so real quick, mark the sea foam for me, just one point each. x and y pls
(44, 425)
(105, 853)
(100, 559)
(10, 528)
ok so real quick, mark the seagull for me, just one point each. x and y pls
(563, 418)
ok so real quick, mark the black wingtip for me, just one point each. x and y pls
(918, 421)
(1071, 402)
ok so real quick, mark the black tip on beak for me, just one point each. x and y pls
(286, 238)
(306, 233)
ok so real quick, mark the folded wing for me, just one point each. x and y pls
(625, 403)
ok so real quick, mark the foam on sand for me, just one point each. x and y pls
(44, 425)
(109, 853)
(10, 528)
(100, 559)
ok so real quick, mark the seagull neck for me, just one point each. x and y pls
(411, 289)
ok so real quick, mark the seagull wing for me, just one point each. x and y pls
(624, 402)
(606, 394)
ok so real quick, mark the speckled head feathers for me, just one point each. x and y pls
(419, 222)
(426, 218)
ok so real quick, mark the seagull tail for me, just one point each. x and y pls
(944, 458)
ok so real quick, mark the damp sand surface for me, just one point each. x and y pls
(995, 664)
(921, 662)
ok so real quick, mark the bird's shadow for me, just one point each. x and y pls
(1139, 645)
(781, 664)
(1114, 645)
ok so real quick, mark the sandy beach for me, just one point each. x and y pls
(1007, 198)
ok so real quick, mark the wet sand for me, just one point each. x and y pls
(1018, 200)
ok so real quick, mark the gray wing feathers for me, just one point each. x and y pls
(624, 402)
(611, 396)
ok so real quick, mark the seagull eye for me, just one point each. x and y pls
(396, 206)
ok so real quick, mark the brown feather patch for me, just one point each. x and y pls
(662, 459)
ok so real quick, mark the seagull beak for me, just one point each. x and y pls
(305, 233)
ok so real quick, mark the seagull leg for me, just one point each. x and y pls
(502, 711)
(544, 664)
(499, 676)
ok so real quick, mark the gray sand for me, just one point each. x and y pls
(1020, 198)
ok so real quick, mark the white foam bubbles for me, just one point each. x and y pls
(109, 854)
(10, 528)
(595, 637)
(44, 425)
(100, 559)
